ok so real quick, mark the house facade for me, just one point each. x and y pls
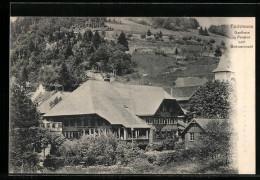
(194, 131)
(136, 113)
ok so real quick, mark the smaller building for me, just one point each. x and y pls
(224, 71)
(183, 94)
(194, 130)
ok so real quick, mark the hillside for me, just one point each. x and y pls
(195, 57)
(44, 50)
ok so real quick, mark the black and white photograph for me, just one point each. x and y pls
(131, 95)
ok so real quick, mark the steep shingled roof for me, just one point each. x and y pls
(42, 97)
(118, 103)
(202, 122)
(190, 81)
(45, 106)
(184, 93)
(224, 65)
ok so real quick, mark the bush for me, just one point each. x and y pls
(142, 165)
(53, 163)
(154, 147)
(142, 36)
(212, 41)
(160, 52)
(125, 154)
(180, 41)
(169, 144)
(199, 39)
(185, 38)
(171, 37)
(151, 158)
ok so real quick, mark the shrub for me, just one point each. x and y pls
(142, 165)
(185, 38)
(212, 41)
(53, 163)
(126, 154)
(223, 43)
(142, 36)
(151, 158)
(159, 52)
(154, 147)
(129, 35)
(169, 144)
(179, 41)
(171, 37)
(199, 39)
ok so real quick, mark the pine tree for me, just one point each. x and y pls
(205, 32)
(23, 77)
(122, 40)
(149, 33)
(64, 77)
(218, 53)
(176, 51)
(79, 36)
(68, 51)
(96, 40)
(26, 136)
(201, 32)
(160, 34)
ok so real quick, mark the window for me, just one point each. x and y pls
(66, 123)
(79, 122)
(85, 122)
(48, 125)
(191, 136)
(53, 125)
(72, 123)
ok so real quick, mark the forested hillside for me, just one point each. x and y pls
(59, 50)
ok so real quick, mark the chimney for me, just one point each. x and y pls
(171, 91)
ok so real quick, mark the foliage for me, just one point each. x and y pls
(122, 40)
(212, 41)
(90, 150)
(203, 32)
(149, 33)
(45, 49)
(199, 39)
(222, 30)
(26, 135)
(159, 52)
(212, 100)
(218, 52)
(175, 23)
(223, 43)
(176, 52)
(126, 154)
(142, 165)
(169, 143)
(96, 40)
(171, 37)
(142, 36)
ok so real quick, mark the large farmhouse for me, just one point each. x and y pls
(140, 113)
